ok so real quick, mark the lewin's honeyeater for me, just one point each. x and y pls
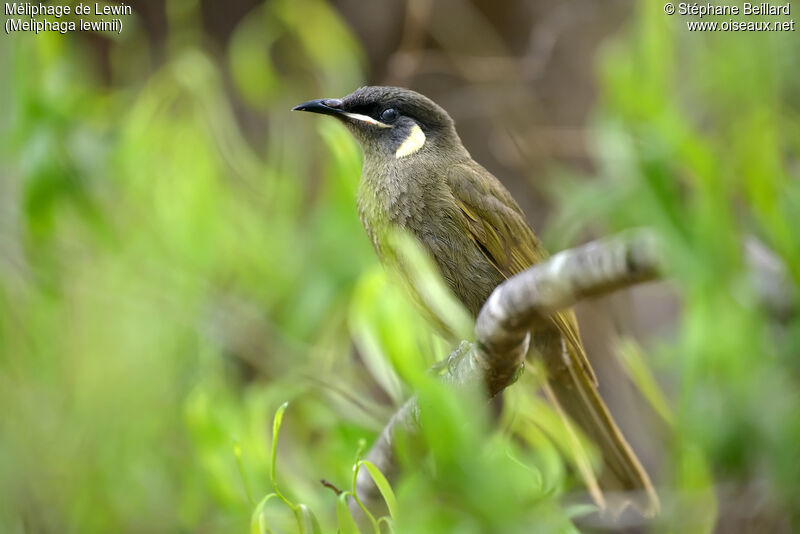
(418, 176)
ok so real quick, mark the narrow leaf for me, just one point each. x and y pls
(346, 523)
(276, 427)
(258, 525)
(383, 486)
(307, 520)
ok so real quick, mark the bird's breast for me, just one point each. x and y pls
(387, 198)
(422, 204)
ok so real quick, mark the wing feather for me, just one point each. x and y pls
(497, 226)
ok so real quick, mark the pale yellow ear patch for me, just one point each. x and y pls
(414, 141)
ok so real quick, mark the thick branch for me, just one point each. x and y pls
(518, 305)
(511, 312)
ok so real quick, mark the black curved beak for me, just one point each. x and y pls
(325, 106)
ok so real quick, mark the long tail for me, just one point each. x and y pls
(572, 389)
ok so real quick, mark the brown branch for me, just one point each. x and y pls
(512, 311)
(518, 305)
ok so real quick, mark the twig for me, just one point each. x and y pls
(331, 486)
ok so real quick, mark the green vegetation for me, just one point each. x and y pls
(167, 284)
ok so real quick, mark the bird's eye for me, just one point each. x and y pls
(389, 115)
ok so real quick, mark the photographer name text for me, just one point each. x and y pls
(751, 16)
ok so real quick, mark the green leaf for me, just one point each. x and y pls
(428, 286)
(386, 521)
(237, 452)
(258, 524)
(577, 510)
(694, 478)
(276, 427)
(383, 486)
(634, 363)
(306, 520)
(346, 523)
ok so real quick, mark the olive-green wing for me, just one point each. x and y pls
(497, 226)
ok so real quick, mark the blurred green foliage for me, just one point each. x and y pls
(166, 285)
(698, 135)
(152, 261)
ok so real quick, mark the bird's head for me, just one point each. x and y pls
(390, 122)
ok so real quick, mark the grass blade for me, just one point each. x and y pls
(383, 486)
(276, 427)
(258, 524)
(346, 523)
(306, 520)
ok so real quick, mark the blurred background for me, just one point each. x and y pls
(180, 255)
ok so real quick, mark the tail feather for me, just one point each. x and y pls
(574, 394)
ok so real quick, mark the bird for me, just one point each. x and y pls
(417, 176)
